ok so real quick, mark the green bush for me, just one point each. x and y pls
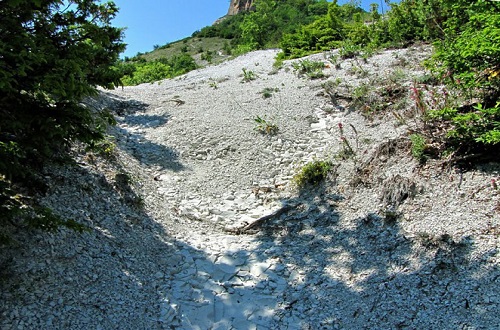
(313, 173)
(181, 64)
(471, 128)
(419, 147)
(208, 56)
(147, 72)
(265, 26)
(312, 69)
(321, 34)
(471, 60)
(468, 60)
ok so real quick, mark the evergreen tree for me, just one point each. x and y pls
(53, 54)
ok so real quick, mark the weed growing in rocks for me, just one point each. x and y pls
(444, 241)
(358, 71)
(347, 150)
(248, 75)
(379, 95)
(390, 215)
(419, 147)
(330, 87)
(105, 148)
(427, 98)
(313, 173)
(268, 92)
(401, 61)
(311, 69)
(418, 99)
(367, 99)
(397, 76)
(213, 84)
(277, 65)
(335, 60)
(349, 50)
(264, 126)
(426, 79)
(400, 119)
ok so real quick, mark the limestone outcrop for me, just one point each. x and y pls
(237, 6)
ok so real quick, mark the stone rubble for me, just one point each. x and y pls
(160, 256)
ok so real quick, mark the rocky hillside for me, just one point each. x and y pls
(197, 220)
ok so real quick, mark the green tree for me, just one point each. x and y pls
(348, 11)
(54, 54)
(323, 33)
(252, 32)
(374, 12)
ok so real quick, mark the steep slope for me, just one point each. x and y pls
(197, 223)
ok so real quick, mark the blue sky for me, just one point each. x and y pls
(157, 22)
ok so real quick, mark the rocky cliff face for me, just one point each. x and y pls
(237, 6)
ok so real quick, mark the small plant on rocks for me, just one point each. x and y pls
(213, 84)
(335, 60)
(349, 50)
(312, 69)
(347, 150)
(419, 147)
(331, 86)
(264, 126)
(429, 99)
(358, 71)
(313, 173)
(105, 148)
(268, 92)
(248, 75)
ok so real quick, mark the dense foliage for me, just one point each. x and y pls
(467, 58)
(322, 34)
(139, 72)
(228, 28)
(53, 55)
(265, 26)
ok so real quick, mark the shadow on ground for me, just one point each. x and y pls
(369, 273)
(315, 270)
(132, 122)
